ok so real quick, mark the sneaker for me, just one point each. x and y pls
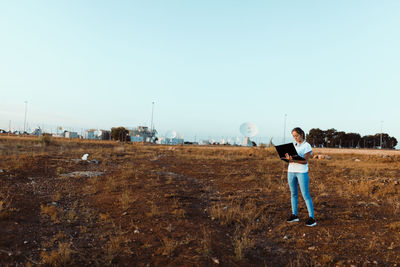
(311, 222)
(293, 218)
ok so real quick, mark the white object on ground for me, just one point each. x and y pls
(84, 157)
(215, 260)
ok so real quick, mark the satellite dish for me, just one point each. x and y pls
(170, 134)
(248, 129)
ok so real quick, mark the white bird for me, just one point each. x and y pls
(84, 157)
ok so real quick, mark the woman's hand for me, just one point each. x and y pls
(288, 157)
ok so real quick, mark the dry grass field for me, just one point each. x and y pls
(145, 205)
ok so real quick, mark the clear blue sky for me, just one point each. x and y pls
(208, 65)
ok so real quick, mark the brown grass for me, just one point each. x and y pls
(113, 248)
(395, 226)
(168, 246)
(242, 242)
(51, 212)
(206, 245)
(60, 257)
(127, 198)
(188, 205)
(5, 205)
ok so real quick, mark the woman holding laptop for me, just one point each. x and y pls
(298, 175)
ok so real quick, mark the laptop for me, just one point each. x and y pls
(287, 148)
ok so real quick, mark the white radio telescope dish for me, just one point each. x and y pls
(248, 129)
(170, 134)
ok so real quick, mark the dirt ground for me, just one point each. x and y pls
(358, 151)
(145, 205)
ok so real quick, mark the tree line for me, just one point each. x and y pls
(333, 138)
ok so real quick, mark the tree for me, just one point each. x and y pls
(332, 138)
(369, 141)
(392, 142)
(387, 141)
(339, 139)
(352, 140)
(315, 137)
(329, 137)
(120, 133)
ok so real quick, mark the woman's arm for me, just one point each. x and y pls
(307, 156)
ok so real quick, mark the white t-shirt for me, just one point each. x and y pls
(301, 149)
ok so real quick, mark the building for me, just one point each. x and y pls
(172, 141)
(89, 134)
(37, 132)
(137, 139)
(93, 134)
(69, 134)
(142, 134)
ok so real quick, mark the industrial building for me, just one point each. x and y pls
(142, 134)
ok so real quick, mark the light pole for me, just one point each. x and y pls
(284, 129)
(151, 125)
(152, 111)
(381, 133)
(26, 104)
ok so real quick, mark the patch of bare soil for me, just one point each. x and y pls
(359, 151)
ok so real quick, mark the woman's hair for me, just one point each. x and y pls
(299, 131)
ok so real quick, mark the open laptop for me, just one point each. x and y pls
(287, 148)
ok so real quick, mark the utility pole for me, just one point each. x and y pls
(26, 104)
(284, 129)
(151, 125)
(152, 112)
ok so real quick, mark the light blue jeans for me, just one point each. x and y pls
(301, 179)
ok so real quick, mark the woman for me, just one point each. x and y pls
(298, 175)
